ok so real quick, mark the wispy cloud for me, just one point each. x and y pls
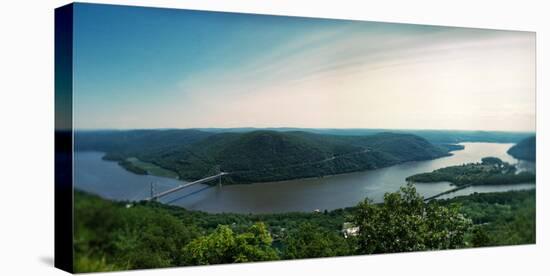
(453, 75)
(306, 73)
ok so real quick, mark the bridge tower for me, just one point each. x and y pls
(218, 171)
(152, 191)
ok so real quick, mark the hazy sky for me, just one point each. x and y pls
(160, 68)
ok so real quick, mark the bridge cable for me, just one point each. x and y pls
(190, 194)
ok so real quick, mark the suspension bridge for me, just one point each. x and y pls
(216, 173)
(183, 186)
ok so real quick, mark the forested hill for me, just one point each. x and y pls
(434, 136)
(260, 156)
(526, 149)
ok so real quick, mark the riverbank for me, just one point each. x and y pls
(490, 171)
(109, 180)
(137, 166)
(262, 155)
(134, 165)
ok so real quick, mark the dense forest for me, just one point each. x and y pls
(120, 235)
(526, 149)
(259, 156)
(506, 218)
(490, 171)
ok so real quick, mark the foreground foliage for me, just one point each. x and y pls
(116, 236)
(501, 218)
(311, 241)
(405, 223)
(224, 246)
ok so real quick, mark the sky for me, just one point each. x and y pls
(138, 68)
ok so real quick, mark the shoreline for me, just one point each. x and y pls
(327, 184)
(169, 205)
(316, 177)
(264, 182)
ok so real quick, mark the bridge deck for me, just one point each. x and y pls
(183, 186)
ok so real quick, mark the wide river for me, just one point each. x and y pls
(109, 180)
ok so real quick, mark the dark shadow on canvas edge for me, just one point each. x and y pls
(47, 260)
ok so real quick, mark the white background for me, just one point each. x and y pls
(26, 145)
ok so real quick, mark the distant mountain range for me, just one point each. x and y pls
(526, 149)
(434, 136)
(260, 155)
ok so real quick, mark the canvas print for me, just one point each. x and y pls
(202, 138)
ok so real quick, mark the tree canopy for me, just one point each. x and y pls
(119, 235)
(403, 222)
(311, 241)
(224, 246)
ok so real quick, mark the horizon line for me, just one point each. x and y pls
(313, 128)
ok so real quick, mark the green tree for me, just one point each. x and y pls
(84, 264)
(480, 237)
(150, 238)
(309, 241)
(224, 246)
(403, 222)
(95, 221)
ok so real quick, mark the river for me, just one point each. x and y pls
(109, 180)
